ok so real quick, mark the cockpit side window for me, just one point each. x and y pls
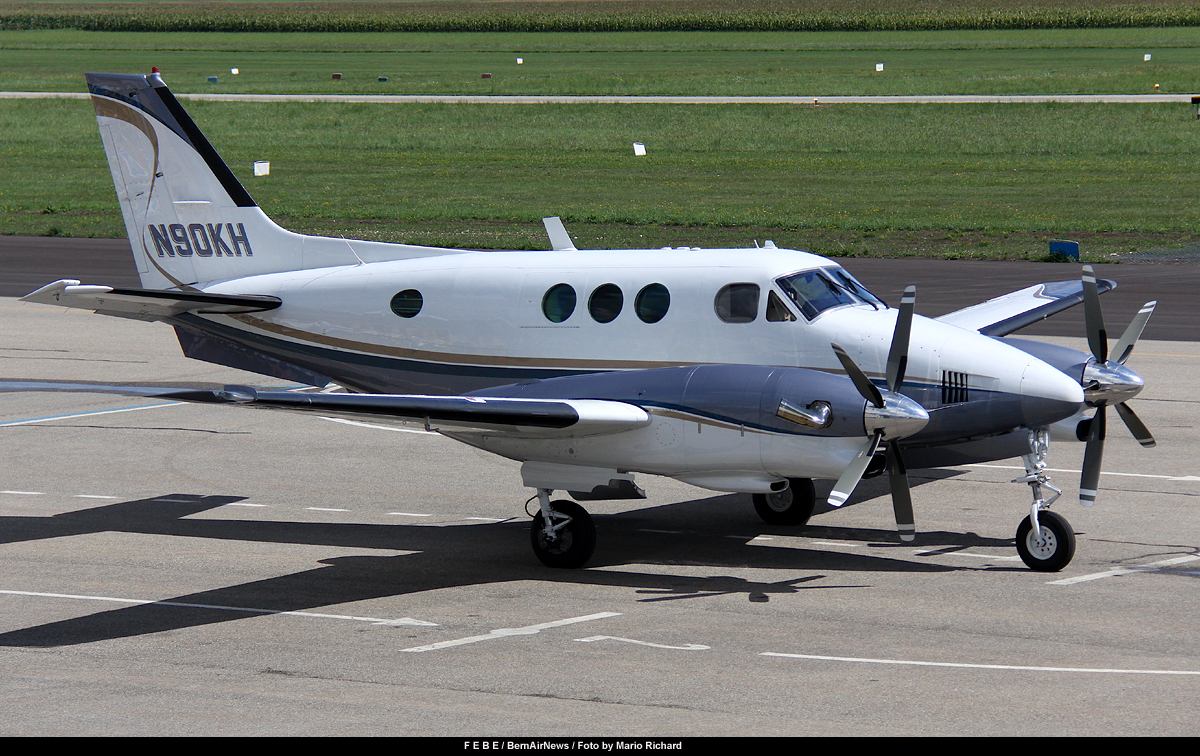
(777, 311)
(814, 292)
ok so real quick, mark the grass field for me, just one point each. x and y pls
(986, 181)
(1097, 61)
(972, 180)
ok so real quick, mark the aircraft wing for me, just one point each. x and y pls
(145, 304)
(540, 418)
(1003, 315)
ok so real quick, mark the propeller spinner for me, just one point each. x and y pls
(888, 417)
(1107, 381)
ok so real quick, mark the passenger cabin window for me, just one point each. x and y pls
(407, 303)
(559, 303)
(605, 303)
(815, 291)
(652, 303)
(737, 303)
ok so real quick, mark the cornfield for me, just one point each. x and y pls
(595, 16)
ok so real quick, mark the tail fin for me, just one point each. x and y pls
(189, 220)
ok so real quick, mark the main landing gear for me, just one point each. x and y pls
(1045, 540)
(562, 533)
(792, 506)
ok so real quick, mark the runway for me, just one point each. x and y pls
(173, 569)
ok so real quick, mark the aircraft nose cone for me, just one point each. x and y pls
(1047, 394)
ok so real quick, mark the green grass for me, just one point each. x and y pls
(676, 63)
(963, 180)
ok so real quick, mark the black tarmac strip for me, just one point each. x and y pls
(29, 262)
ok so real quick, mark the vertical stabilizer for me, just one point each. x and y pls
(189, 220)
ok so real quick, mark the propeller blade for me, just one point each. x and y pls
(1135, 425)
(1125, 344)
(897, 362)
(869, 390)
(1092, 457)
(1094, 316)
(901, 493)
(854, 472)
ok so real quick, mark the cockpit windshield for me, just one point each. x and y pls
(814, 291)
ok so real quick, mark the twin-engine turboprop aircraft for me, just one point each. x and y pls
(746, 370)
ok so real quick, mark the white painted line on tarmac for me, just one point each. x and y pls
(1010, 667)
(409, 514)
(88, 414)
(325, 509)
(240, 609)
(1118, 571)
(93, 496)
(1103, 472)
(23, 493)
(507, 632)
(243, 504)
(685, 647)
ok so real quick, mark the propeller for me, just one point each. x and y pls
(888, 417)
(1108, 382)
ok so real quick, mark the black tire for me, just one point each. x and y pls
(575, 542)
(1057, 548)
(790, 507)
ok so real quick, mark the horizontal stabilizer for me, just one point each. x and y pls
(538, 418)
(1011, 312)
(146, 304)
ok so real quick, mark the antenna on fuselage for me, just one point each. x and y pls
(351, 246)
(560, 240)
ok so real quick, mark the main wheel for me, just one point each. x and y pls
(571, 545)
(792, 506)
(1054, 548)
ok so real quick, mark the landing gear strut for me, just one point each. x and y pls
(562, 533)
(1045, 540)
(792, 506)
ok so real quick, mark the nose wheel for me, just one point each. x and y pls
(1051, 548)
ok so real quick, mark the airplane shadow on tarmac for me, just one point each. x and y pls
(710, 532)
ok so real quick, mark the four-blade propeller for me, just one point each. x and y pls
(889, 416)
(1107, 381)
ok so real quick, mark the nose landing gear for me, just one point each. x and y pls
(1045, 540)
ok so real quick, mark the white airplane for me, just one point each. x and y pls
(738, 370)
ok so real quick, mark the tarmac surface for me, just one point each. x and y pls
(174, 569)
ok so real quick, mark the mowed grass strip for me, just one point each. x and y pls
(484, 176)
(676, 63)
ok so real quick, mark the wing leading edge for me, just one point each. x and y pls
(539, 418)
(1012, 312)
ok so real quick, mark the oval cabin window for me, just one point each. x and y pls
(558, 303)
(737, 303)
(407, 303)
(605, 303)
(652, 303)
